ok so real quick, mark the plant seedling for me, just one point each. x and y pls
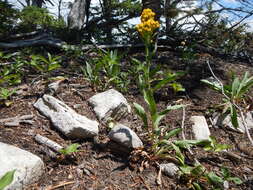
(5, 95)
(70, 149)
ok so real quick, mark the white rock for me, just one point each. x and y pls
(200, 127)
(65, 119)
(125, 136)
(222, 121)
(169, 169)
(110, 104)
(28, 166)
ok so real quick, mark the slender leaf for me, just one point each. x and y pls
(196, 186)
(233, 115)
(52, 67)
(6, 179)
(149, 99)
(179, 154)
(236, 180)
(169, 78)
(141, 113)
(235, 86)
(214, 179)
(172, 133)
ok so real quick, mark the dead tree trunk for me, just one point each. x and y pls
(77, 14)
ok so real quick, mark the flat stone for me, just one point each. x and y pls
(125, 136)
(169, 169)
(28, 166)
(225, 121)
(110, 104)
(65, 119)
(200, 127)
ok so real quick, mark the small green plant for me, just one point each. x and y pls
(6, 179)
(106, 71)
(214, 146)
(43, 64)
(197, 177)
(5, 95)
(11, 74)
(218, 181)
(70, 149)
(91, 73)
(234, 94)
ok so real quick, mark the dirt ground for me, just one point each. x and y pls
(101, 167)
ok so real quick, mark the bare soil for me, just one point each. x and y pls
(101, 167)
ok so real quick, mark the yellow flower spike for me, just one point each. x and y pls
(148, 24)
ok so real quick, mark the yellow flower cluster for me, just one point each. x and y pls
(148, 24)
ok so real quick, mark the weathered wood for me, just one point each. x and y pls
(16, 121)
(47, 142)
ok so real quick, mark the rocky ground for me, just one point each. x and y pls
(103, 161)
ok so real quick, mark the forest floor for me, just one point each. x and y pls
(108, 168)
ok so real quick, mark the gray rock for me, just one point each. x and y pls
(169, 169)
(226, 185)
(225, 121)
(28, 166)
(65, 119)
(125, 136)
(109, 105)
(53, 87)
(200, 127)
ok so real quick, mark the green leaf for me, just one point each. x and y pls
(196, 186)
(233, 115)
(177, 87)
(172, 133)
(170, 108)
(70, 149)
(214, 179)
(179, 154)
(213, 85)
(141, 113)
(158, 117)
(189, 143)
(149, 99)
(220, 147)
(225, 173)
(54, 66)
(6, 179)
(236, 180)
(198, 170)
(246, 84)
(136, 61)
(161, 83)
(185, 169)
(235, 86)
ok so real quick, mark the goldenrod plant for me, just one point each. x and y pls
(151, 117)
